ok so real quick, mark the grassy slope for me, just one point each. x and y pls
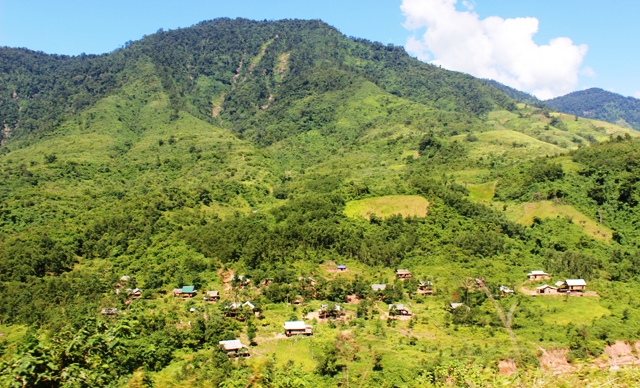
(406, 205)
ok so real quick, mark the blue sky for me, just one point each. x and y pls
(602, 52)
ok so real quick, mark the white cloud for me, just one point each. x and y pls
(636, 94)
(496, 48)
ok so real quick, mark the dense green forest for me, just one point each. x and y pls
(224, 156)
(517, 94)
(600, 104)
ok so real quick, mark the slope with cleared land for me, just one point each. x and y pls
(525, 213)
(405, 205)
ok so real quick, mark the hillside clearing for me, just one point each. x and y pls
(405, 205)
(524, 214)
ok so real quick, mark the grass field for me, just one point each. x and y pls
(482, 192)
(563, 311)
(406, 205)
(524, 214)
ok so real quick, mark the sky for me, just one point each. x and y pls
(545, 47)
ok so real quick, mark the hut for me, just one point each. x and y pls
(570, 285)
(342, 268)
(537, 275)
(135, 293)
(186, 292)
(211, 296)
(232, 309)
(546, 290)
(327, 311)
(455, 306)
(425, 287)
(297, 328)
(400, 309)
(403, 274)
(504, 290)
(234, 348)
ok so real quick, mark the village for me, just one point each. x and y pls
(241, 299)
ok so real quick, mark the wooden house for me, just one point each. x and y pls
(403, 274)
(297, 328)
(399, 309)
(186, 292)
(504, 290)
(537, 275)
(234, 348)
(572, 285)
(325, 312)
(546, 290)
(342, 268)
(135, 293)
(425, 287)
(233, 310)
(211, 296)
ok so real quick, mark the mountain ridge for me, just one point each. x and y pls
(229, 157)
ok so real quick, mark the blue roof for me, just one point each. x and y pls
(188, 289)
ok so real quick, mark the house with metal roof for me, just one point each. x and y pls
(537, 275)
(185, 292)
(234, 348)
(573, 285)
(403, 274)
(297, 328)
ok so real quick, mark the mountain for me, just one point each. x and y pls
(252, 158)
(516, 94)
(600, 105)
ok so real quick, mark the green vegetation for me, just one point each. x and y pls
(600, 105)
(276, 151)
(405, 205)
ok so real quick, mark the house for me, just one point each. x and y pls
(211, 296)
(403, 274)
(342, 268)
(399, 309)
(234, 348)
(546, 289)
(297, 328)
(325, 312)
(454, 306)
(504, 290)
(537, 275)
(135, 293)
(109, 311)
(233, 308)
(125, 278)
(378, 287)
(573, 285)
(185, 292)
(425, 287)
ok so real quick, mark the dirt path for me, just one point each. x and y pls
(507, 319)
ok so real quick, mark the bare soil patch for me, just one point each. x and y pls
(555, 360)
(507, 367)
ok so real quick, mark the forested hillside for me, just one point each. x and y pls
(254, 158)
(600, 105)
